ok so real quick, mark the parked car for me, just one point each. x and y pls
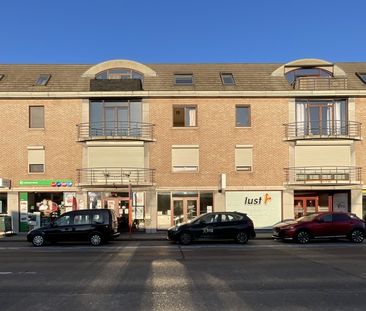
(214, 226)
(96, 226)
(322, 225)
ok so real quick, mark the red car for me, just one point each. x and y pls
(322, 225)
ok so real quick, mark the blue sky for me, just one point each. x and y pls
(189, 31)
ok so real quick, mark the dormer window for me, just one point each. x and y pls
(119, 74)
(43, 79)
(306, 72)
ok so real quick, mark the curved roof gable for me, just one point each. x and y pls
(313, 62)
(119, 63)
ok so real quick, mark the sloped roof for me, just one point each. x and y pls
(248, 77)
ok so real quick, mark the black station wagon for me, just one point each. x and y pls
(214, 226)
(96, 226)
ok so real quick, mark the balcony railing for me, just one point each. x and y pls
(320, 83)
(115, 131)
(334, 129)
(330, 175)
(116, 176)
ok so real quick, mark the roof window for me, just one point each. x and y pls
(183, 79)
(361, 75)
(43, 79)
(1, 76)
(227, 79)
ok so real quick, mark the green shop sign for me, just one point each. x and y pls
(47, 183)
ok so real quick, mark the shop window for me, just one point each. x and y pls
(36, 159)
(3, 203)
(184, 116)
(206, 203)
(164, 210)
(243, 158)
(36, 117)
(242, 116)
(185, 158)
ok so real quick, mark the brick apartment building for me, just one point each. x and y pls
(273, 140)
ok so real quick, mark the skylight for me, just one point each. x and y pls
(227, 79)
(43, 79)
(362, 76)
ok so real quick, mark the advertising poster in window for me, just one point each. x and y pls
(138, 199)
(340, 202)
(263, 207)
(68, 198)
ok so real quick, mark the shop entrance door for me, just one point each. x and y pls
(305, 205)
(184, 209)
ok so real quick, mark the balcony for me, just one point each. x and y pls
(319, 83)
(323, 130)
(325, 175)
(115, 131)
(115, 176)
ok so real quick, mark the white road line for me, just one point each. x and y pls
(4, 273)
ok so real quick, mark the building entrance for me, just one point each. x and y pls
(305, 205)
(185, 209)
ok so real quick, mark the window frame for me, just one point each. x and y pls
(249, 116)
(222, 74)
(43, 79)
(360, 75)
(130, 74)
(185, 168)
(243, 168)
(176, 75)
(30, 117)
(184, 115)
(36, 148)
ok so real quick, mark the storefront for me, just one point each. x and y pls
(263, 207)
(177, 207)
(307, 202)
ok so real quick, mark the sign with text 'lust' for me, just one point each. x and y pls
(263, 207)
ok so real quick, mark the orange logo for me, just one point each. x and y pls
(267, 198)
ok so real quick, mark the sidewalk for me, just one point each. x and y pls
(136, 236)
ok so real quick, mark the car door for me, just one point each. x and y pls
(342, 224)
(81, 226)
(322, 226)
(226, 228)
(211, 221)
(60, 230)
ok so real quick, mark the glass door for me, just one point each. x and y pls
(184, 209)
(122, 121)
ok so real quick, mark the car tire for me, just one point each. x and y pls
(38, 240)
(185, 238)
(357, 236)
(242, 237)
(96, 239)
(303, 237)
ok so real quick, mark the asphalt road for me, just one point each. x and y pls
(153, 275)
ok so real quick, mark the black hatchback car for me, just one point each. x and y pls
(96, 226)
(214, 226)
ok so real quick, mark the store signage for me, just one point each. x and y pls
(47, 183)
(263, 207)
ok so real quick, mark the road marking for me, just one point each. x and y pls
(4, 273)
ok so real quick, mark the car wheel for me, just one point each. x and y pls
(242, 238)
(38, 240)
(185, 238)
(96, 239)
(303, 237)
(357, 236)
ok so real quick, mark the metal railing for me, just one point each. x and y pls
(115, 130)
(323, 175)
(320, 83)
(116, 176)
(323, 129)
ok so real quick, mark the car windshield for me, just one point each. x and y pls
(308, 217)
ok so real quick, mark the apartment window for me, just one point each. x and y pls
(243, 157)
(43, 79)
(36, 117)
(119, 74)
(184, 116)
(185, 158)
(227, 79)
(242, 116)
(183, 79)
(36, 159)
(361, 75)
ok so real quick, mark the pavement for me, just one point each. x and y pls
(262, 234)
